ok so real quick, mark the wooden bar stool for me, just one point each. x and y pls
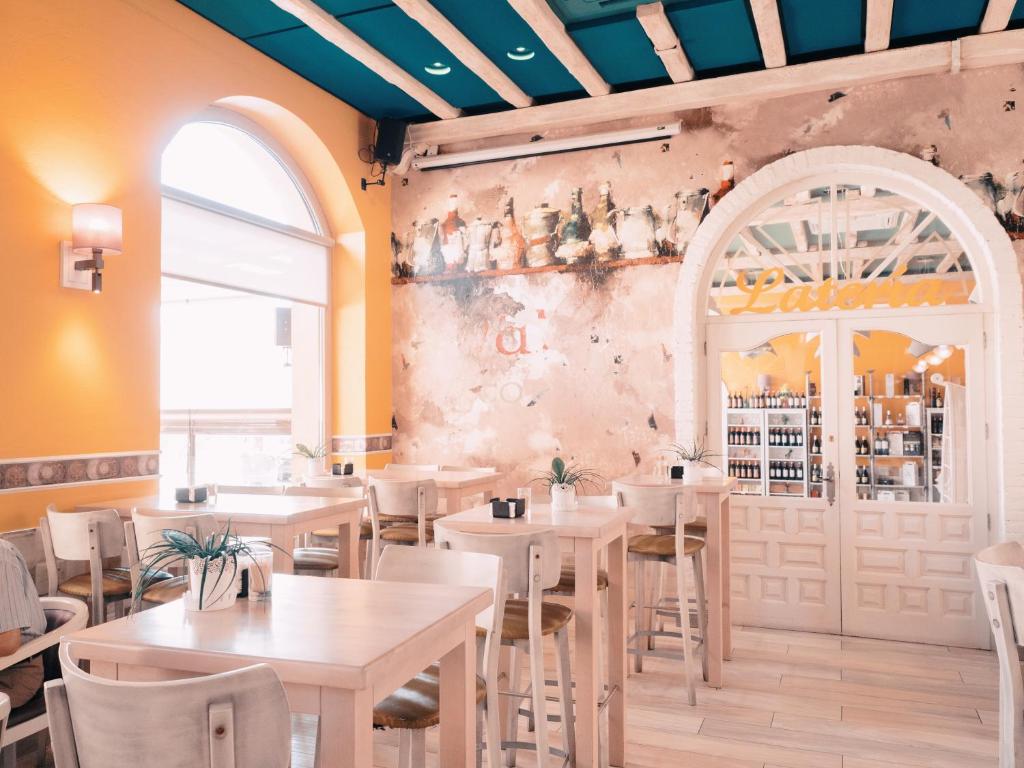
(661, 507)
(532, 563)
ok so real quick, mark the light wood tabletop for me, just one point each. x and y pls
(590, 529)
(454, 485)
(338, 645)
(281, 518)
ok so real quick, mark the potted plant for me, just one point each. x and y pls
(314, 458)
(692, 459)
(563, 480)
(212, 564)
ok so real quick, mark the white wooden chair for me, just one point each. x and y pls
(416, 706)
(237, 718)
(401, 512)
(90, 537)
(1001, 575)
(660, 508)
(324, 559)
(143, 531)
(63, 616)
(532, 563)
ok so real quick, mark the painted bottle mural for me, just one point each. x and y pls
(454, 240)
(541, 242)
(426, 250)
(603, 237)
(509, 246)
(682, 218)
(726, 183)
(637, 232)
(574, 232)
(480, 235)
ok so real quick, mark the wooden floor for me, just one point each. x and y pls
(794, 700)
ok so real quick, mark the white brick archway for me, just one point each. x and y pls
(984, 240)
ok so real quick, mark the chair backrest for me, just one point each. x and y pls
(417, 467)
(402, 498)
(445, 566)
(463, 468)
(147, 526)
(5, 712)
(521, 553)
(1001, 575)
(259, 490)
(69, 535)
(344, 492)
(237, 718)
(64, 615)
(657, 506)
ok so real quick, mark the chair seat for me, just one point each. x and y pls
(365, 531)
(516, 625)
(567, 582)
(31, 709)
(417, 704)
(315, 558)
(405, 533)
(664, 545)
(166, 591)
(116, 582)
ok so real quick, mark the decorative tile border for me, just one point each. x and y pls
(83, 469)
(346, 444)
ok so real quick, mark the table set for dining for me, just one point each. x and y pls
(340, 645)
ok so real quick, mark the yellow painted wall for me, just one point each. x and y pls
(90, 92)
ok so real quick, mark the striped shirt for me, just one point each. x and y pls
(19, 602)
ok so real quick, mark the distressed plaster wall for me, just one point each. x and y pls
(506, 370)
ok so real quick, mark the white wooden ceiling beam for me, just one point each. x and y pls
(976, 52)
(550, 29)
(336, 33)
(451, 38)
(666, 42)
(769, 32)
(997, 15)
(878, 25)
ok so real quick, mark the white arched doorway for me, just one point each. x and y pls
(905, 568)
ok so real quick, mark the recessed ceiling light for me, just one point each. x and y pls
(437, 68)
(520, 53)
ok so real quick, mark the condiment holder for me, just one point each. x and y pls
(508, 507)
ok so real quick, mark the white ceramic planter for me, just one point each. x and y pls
(693, 472)
(221, 587)
(563, 497)
(315, 468)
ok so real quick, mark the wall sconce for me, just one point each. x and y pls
(95, 232)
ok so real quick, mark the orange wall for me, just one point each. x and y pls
(90, 93)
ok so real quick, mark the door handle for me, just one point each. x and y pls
(830, 484)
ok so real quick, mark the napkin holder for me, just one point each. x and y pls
(195, 494)
(508, 507)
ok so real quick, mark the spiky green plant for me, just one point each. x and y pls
(571, 474)
(316, 452)
(696, 452)
(179, 547)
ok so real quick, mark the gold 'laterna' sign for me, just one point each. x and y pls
(764, 295)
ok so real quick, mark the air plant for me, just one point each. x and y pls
(316, 452)
(179, 547)
(695, 452)
(571, 475)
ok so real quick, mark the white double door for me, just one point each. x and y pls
(842, 563)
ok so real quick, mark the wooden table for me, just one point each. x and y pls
(454, 485)
(281, 518)
(338, 645)
(589, 529)
(710, 499)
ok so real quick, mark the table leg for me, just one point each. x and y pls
(283, 539)
(715, 596)
(586, 671)
(458, 703)
(452, 501)
(346, 729)
(726, 536)
(348, 549)
(618, 608)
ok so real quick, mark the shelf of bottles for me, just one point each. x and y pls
(767, 443)
(893, 439)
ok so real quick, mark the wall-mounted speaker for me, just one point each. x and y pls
(390, 141)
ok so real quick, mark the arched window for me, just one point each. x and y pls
(244, 259)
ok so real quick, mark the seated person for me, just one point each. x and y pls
(21, 619)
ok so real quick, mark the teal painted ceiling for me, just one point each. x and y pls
(718, 36)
